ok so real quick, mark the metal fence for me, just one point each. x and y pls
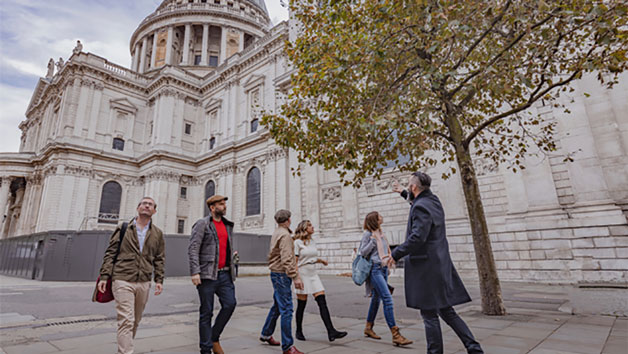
(77, 255)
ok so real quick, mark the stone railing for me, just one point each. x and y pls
(123, 72)
(206, 6)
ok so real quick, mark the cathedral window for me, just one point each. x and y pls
(197, 60)
(212, 143)
(253, 192)
(213, 61)
(109, 211)
(118, 144)
(254, 124)
(210, 190)
(188, 128)
(183, 193)
(180, 226)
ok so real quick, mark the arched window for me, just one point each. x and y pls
(254, 125)
(212, 142)
(210, 189)
(118, 144)
(110, 203)
(253, 192)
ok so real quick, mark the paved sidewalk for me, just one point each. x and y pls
(530, 327)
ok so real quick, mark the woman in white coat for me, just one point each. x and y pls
(307, 257)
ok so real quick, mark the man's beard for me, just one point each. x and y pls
(219, 213)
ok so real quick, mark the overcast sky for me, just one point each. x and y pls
(33, 31)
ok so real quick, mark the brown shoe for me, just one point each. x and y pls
(397, 338)
(368, 331)
(292, 350)
(217, 349)
(270, 341)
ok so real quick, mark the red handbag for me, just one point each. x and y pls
(107, 296)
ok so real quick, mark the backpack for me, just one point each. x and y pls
(360, 269)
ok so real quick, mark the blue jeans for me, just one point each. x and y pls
(282, 306)
(225, 290)
(379, 282)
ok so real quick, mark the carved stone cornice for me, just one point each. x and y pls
(80, 171)
(190, 180)
(277, 154)
(163, 175)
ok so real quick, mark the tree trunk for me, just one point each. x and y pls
(490, 289)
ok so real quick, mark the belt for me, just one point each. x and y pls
(223, 269)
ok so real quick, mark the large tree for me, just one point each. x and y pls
(440, 82)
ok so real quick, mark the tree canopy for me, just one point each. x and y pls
(376, 80)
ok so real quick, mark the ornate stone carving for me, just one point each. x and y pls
(331, 193)
(163, 175)
(78, 171)
(381, 186)
(253, 222)
(484, 167)
(277, 154)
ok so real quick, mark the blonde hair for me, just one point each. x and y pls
(301, 232)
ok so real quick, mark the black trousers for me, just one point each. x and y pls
(434, 336)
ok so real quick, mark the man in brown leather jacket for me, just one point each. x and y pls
(142, 254)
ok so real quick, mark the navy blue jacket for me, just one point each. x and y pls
(431, 281)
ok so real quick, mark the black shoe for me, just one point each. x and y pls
(336, 335)
(299, 335)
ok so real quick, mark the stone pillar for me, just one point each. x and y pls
(142, 66)
(153, 56)
(223, 45)
(186, 45)
(136, 57)
(205, 47)
(5, 182)
(169, 45)
(241, 42)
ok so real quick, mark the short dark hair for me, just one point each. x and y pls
(154, 202)
(421, 180)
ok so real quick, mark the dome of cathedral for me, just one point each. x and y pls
(197, 34)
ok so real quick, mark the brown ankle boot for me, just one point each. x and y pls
(368, 331)
(397, 338)
(216, 348)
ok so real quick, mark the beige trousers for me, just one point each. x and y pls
(131, 299)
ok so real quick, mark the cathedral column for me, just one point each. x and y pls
(223, 45)
(186, 45)
(241, 44)
(169, 42)
(142, 67)
(5, 182)
(204, 61)
(153, 56)
(136, 57)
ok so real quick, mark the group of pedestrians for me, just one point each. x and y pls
(432, 284)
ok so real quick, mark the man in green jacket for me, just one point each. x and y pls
(142, 254)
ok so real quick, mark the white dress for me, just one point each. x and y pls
(308, 254)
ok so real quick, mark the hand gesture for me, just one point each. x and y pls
(196, 279)
(396, 187)
(323, 262)
(390, 262)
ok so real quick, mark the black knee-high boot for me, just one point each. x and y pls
(332, 333)
(300, 309)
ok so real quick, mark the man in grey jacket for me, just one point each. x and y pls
(211, 258)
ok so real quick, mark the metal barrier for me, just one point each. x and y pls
(77, 255)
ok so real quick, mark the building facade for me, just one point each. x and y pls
(183, 123)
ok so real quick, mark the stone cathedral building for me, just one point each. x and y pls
(182, 123)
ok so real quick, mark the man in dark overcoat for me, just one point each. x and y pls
(432, 284)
